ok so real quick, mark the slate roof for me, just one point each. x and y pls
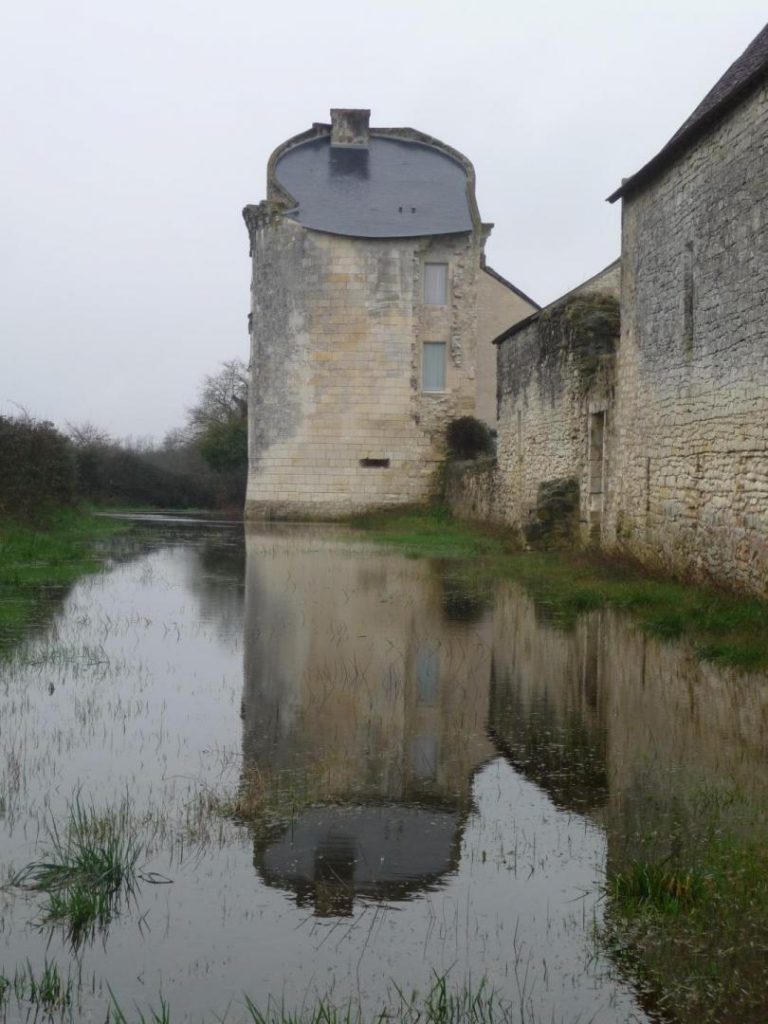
(394, 188)
(737, 82)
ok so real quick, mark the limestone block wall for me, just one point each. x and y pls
(339, 421)
(690, 477)
(472, 491)
(555, 391)
(498, 306)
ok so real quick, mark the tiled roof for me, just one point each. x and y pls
(746, 72)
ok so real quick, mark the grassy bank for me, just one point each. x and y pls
(38, 562)
(723, 627)
(694, 929)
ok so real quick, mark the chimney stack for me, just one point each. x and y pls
(349, 128)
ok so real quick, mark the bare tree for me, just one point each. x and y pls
(223, 397)
(87, 435)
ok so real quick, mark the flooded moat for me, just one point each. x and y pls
(350, 774)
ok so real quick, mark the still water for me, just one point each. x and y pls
(436, 779)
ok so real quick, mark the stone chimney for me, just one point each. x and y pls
(350, 128)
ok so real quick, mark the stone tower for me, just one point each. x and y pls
(364, 324)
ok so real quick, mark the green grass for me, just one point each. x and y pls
(440, 1005)
(38, 561)
(48, 990)
(87, 871)
(695, 932)
(724, 627)
(430, 532)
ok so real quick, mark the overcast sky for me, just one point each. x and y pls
(133, 133)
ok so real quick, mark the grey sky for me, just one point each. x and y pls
(133, 134)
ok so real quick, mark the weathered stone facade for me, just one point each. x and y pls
(499, 304)
(690, 487)
(340, 417)
(474, 490)
(555, 385)
(656, 446)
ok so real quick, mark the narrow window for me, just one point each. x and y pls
(435, 284)
(374, 463)
(688, 297)
(596, 470)
(433, 366)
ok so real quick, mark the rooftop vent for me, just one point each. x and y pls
(350, 128)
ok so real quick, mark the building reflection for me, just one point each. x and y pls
(547, 712)
(637, 733)
(376, 686)
(364, 716)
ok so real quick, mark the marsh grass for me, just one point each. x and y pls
(442, 1004)
(264, 804)
(89, 869)
(693, 926)
(38, 561)
(723, 627)
(48, 989)
(646, 886)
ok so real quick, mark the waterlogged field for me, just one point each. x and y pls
(262, 776)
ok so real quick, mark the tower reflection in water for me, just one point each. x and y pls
(364, 716)
(374, 692)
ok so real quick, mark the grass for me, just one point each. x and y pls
(87, 871)
(440, 1005)
(724, 627)
(38, 561)
(49, 989)
(693, 925)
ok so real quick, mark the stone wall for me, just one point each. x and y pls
(339, 421)
(555, 388)
(498, 306)
(472, 490)
(689, 486)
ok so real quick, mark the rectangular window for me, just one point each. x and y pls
(433, 366)
(596, 470)
(688, 296)
(435, 284)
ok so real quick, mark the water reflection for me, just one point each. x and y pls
(548, 701)
(636, 732)
(364, 710)
(445, 772)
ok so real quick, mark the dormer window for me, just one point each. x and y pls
(435, 284)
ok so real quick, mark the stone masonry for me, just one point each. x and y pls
(689, 488)
(340, 419)
(654, 443)
(555, 386)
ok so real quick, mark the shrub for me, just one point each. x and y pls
(469, 437)
(37, 467)
(109, 473)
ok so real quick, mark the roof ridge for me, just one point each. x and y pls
(739, 78)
